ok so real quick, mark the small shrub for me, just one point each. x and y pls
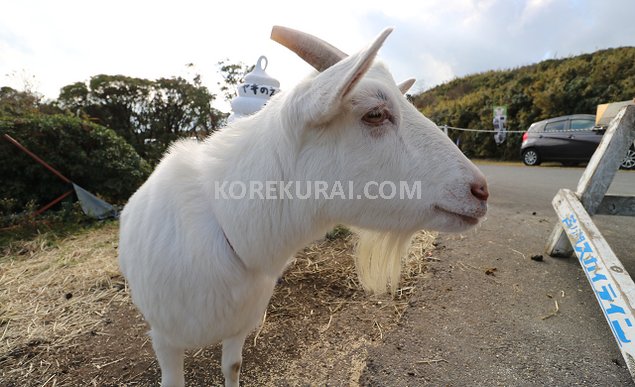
(90, 155)
(339, 232)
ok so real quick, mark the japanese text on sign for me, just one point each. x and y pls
(262, 89)
(610, 301)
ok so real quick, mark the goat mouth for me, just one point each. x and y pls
(465, 218)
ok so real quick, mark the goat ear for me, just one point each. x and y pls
(323, 100)
(406, 85)
(363, 62)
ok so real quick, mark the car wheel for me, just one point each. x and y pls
(530, 157)
(629, 160)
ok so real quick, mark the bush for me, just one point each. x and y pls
(90, 155)
(532, 93)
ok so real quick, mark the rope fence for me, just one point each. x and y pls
(445, 127)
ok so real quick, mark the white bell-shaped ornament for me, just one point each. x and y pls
(254, 93)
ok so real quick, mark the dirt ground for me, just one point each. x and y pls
(489, 315)
(67, 323)
(474, 310)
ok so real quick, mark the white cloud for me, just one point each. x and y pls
(66, 41)
(434, 70)
(532, 9)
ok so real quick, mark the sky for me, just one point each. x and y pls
(45, 45)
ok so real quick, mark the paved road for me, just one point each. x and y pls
(488, 315)
(531, 189)
(521, 186)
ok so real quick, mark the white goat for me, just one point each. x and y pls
(202, 266)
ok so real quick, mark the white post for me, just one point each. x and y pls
(611, 283)
(598, 175)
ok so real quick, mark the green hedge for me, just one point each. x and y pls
(90, 155)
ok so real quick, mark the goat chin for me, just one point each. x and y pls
(378, 257)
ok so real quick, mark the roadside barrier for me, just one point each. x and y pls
(613, 286)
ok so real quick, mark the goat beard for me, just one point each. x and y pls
(378, 259)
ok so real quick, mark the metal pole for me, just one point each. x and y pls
(54, 202)
(45, 165)
(39, 160)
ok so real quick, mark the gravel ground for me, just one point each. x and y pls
(490, 315)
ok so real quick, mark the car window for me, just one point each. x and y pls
(582, 124)
(556, 126)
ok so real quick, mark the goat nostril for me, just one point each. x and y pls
(480, 191)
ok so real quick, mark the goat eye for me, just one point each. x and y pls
(375, 117)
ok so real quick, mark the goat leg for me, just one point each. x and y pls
(232, 359)
(170, 360)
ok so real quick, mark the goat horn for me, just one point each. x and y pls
(406, 85)
(316, 52)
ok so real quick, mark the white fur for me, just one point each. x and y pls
(195, 288)
(378, 259)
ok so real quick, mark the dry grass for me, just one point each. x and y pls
(51, 293)
(328, 268)
(321, 314)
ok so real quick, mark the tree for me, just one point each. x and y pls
(147, 114)
(115, 101)
(74, 97)
(179, 108)
(14, 103)
(233, 75)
